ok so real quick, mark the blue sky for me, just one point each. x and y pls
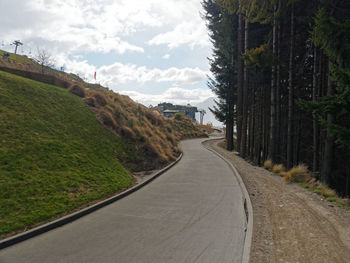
(152, 50)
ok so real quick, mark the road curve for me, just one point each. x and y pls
(192, 213)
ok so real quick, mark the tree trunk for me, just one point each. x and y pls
(290, 94)
(245, 95)
(278, 148)
(329, 144)
(229, 134)
(240, 79)
(315, 122)
(272, 147)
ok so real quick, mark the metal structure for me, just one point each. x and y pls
(17, 43)
(202, 113)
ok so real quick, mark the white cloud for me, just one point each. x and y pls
(174, 95)
(187, 33)
(102, 25)
(166, 56)
(118, 73)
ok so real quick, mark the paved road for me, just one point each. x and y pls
(192, 213)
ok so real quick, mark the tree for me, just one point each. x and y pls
(44, 58)
(222, 31)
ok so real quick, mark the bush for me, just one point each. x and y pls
(78, 91)
(128, 133)
(298, 174)
(90, 102)
(178, 116)
(107, 119)
(327, 192)
(268, 165)
(100, 99)
(278, 169)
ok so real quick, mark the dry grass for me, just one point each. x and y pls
(78, 91)
(128, 133)
(100, 99)
(278, 169)
(107, 119)
(268, 165)
(90, 102)
(154, 139)
(298, 174)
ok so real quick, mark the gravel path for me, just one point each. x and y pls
(290, 223)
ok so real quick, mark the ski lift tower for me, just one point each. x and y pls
(17, 43)
(202, 112)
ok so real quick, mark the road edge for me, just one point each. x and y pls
(248, 208)
(76, 215)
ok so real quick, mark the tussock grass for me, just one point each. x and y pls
(153, 138)
(268, 165)
(298, 174)
(278, 169)
(302, 176)
(100, 99)
(77, 90)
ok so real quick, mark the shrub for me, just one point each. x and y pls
(100, 99)
(268, 165)
(327, 192)
(178, 116)
(107, 119)
(278, 169)
(78, 91)
(90, 102)
(128, 133)
(298, 174)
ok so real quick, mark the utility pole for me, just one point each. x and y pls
(17, 43)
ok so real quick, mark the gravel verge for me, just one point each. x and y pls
(291, 224)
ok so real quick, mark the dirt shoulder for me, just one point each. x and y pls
(291, 224)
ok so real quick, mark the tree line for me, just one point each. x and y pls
(281, 72)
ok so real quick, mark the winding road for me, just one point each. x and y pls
(192, 213)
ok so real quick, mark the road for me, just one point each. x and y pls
(192, 213)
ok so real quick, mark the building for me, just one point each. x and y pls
(169, 110)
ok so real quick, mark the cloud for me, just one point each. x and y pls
(166, 56)
(102, 25)
(174, 95)
(118, 73)
(187, 33)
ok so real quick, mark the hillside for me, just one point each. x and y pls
(55, 155)
(153, 138)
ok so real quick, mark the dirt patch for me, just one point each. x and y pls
(291, 224)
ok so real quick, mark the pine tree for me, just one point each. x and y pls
(222, 31)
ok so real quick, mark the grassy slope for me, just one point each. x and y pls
(54, 154)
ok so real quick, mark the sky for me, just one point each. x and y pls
(151, 50)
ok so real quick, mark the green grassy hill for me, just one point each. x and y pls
(54, 154)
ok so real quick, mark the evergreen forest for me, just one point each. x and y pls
(281, 73)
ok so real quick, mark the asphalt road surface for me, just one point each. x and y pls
(192, 213)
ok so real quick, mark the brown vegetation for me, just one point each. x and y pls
(298, 174)
(153, 138)
(77, 90)
(268, 165)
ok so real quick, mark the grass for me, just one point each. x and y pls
(268, 165)
(298, 174)
(18, 58)
(278, 169)
(54, 155)
(153, 138)
(329, 194)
